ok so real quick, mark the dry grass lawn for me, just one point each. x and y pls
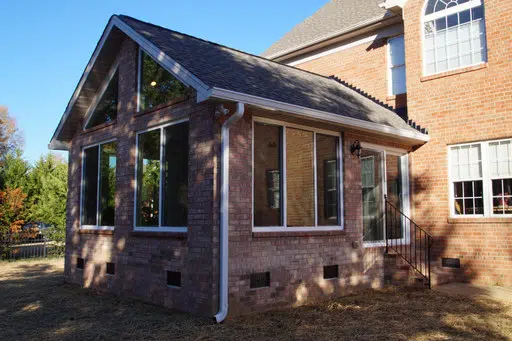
(35, 304)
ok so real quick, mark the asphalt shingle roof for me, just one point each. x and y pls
(335, 16)
(222, 67)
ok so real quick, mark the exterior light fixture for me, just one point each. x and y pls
(153, 83)
(356, 148)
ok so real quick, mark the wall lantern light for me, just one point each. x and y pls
(356, 148)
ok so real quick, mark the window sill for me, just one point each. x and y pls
(162, 234)
(175, 101)
(455, 72)
(98, 127)
(479, 220)
(297, 233)
(97, 230)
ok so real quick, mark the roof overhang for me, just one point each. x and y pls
(362, 27)
(409, 135)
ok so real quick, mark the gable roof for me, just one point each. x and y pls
(217, 71)
(334, 18)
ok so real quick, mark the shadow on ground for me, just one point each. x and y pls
(35, 303)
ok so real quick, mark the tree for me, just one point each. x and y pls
(48, 191)
(10, 136)
(14, 172)
(12, 210)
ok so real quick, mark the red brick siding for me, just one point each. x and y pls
(142, 261)
(457, 108)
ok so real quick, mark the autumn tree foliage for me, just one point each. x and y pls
(10, 136)
(12, 210)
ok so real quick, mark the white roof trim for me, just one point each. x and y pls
(318, 114)
(389, 4)
(354, 27)
(168, 63)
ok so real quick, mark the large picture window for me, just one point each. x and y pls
(481, 178)
(296, 177)
(99, 185)
(162, 178)
(156, 84)
(454, 35)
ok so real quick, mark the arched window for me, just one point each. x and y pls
(454, 32)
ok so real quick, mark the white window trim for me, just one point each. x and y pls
(434, 16)
(98, 96)
(486, 183)
(406, 209)
(391, 67)
(154, 228)
(283, 228)
(82, 188)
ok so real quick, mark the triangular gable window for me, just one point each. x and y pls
(157, 86)
(105, 110)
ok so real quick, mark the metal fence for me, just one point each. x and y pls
(23, 246)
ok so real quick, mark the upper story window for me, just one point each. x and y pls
(162, 178)
(98, 185)
(481, 178)
(156, 84)
(104, 107)
(297, 178)
(454, 35)
(397, 65)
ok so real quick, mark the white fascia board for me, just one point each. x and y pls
(167, 62)
(355, 27)
(385, 33)
(318, 114)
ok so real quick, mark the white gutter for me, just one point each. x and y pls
(407, 134)
(224, 212)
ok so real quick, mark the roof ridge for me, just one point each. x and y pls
(224, 46)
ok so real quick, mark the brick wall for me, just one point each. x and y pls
(471, 104)
(295, 260)
(142, 259)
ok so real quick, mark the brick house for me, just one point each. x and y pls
(209, 180)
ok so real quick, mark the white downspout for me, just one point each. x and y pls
(224, 212)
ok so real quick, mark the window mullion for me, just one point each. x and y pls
(160, 189)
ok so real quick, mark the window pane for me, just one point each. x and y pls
(327, 179)
(267, 175)
(300, 200)
(157, 86)
(465, 16)
(397, 51)
(90, 186)
(106, 109)
(477, 12)
(107, 183)
(175, 173)
(398, 79)
(458, 190)
(148, 179)
(453, 20)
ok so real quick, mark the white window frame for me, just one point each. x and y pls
(317, 227)
(441, 14)
(391, 67)
(486, 182)
(159, 228)
(82, 187)
(406, 203)
(99, 95)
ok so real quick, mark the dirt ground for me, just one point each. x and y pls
(36, 304)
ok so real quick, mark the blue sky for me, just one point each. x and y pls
(47, 44)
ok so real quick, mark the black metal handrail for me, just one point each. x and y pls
(408, 240)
